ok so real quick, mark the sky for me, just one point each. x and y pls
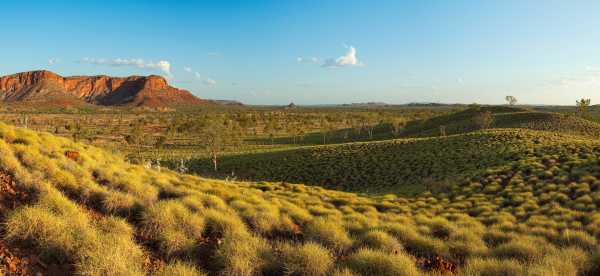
(319, 52)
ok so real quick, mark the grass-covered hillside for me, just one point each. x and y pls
(399, 166)
(502, 117)
(74, 209)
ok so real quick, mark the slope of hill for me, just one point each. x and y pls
(75, 209)
(399, 166)
(503, 117)
(44, 87)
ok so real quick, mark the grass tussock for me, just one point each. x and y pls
(370, 262)
(306, 259)
(328, 233)
(534, 213)
(174, 226)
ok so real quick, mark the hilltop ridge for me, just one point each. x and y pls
(46, 87)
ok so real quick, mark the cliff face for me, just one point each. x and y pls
(40, 86)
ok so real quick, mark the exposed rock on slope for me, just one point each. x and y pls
(48, 87)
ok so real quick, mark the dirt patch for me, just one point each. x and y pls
(437, 264)
(16, 260)
(10, 196)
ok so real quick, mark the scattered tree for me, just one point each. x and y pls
(215, 136)
(160, 143)
(442, 130)
(483, 119)
(583, 106)
(511, 100)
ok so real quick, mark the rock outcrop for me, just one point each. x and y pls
(45, 86)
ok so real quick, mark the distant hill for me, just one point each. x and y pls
(367, 104)
(47, 88)
(502, 117)
(228, 102)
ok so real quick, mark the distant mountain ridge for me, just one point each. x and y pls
(45, 87)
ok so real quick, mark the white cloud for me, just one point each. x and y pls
(162, 65)
(214, 54)
(593, 69)
(307, 59)
(197, 75)
(590, 77)
(209, 82)
(52, 61)
(347, 60)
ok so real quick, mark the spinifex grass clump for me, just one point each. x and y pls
(413, 165)
(532, 213)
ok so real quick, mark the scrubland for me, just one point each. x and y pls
(533, 213)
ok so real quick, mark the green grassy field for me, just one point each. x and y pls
(409, 165)
(96, 214)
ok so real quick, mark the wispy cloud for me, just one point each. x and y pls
(307, 60)
(588, 77)
(206, 81)
(209, 82)
(162, 65)
(53, 61)
(213, 54)
(347, 60)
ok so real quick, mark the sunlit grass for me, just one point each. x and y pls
(104, 216)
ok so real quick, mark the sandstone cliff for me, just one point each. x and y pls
(45, 86)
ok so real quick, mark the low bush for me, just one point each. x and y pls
(328, 233)
(307, 259)
(371, 262)
(492, 267)
(180, 269)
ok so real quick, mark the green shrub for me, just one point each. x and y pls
(492, 267)
(343, 272)
(577, 238)
(307, 259)
(180, 269)
(441, 228)
(593, 265)
(241, 254)
(381, 240)
(523, 249)
(494, 237)
(328, 233)
(371, 262)
(568, 261)
(174, 226)
(414, 243)
(218, 224)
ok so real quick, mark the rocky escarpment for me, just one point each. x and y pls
(46, 86)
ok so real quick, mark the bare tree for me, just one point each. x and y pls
(324, 127)
(214, 137)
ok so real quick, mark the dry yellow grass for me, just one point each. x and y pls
(104, 216)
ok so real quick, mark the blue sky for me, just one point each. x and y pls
(317, 52)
